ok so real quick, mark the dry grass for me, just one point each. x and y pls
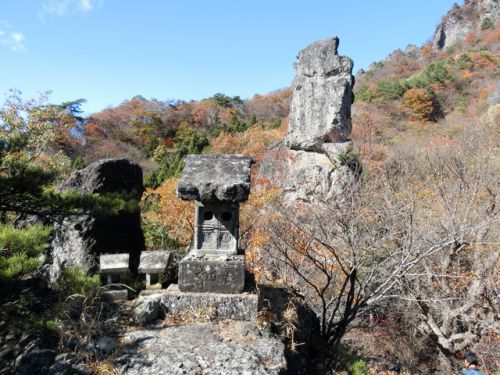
(194, 315)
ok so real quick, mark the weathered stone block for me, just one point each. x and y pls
(213, 274)
(241, 306)
(154, 261)
(115, 295)
(113, 263)
(215, 178)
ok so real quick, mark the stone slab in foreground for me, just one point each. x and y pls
(216, 348)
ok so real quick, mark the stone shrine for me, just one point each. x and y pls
(218, 183)
(113, 266)
(154, 265)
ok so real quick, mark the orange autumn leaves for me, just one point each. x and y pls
(173, 216)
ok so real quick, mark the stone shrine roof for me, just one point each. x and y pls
(154, 261)
(113, 263)
(215, 178)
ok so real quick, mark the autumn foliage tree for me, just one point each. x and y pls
(419, 101)
(167, 220)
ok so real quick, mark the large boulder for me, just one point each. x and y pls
(320, 110)
(79, 240)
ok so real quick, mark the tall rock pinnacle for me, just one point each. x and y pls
(322, 97)
(311, 166)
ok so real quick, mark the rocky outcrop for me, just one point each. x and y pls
(79, 240)
(308, 176)
(312, 163)
(228, 347)
(320, 110)
(459, 21)
(494, 97)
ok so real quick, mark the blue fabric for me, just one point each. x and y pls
(471, 371)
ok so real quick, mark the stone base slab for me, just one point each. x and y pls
(115, 295)
(241, 306)
(212, 274)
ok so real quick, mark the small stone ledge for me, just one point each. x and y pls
(241, 306)
(115, 295)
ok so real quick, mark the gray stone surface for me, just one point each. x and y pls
(320, 110)
(333, 150)
(308, 177)
(315, 163)
(242, 306)
(454, 29)
(113, 263)
(212, 274)
(494, 97)
(216, 349)
(105, 345)
(79, 241)
(461, 20)
(213, 178)
(147, 310)
(115, 295)
(68, 364)
(154, 261)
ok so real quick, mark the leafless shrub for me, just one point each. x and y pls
(422, 232)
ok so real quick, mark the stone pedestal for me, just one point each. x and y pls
(212, 274)
(239, 306)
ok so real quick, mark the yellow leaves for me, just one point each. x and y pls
(170, 212)
(420, 102)
(253, 142)
(160, 152)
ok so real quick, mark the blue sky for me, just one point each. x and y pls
(107, 51)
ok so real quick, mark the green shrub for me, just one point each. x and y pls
(20, 250)
(391, 89)
(453, 48)
(75, 280)
(156, 236)
(365, 93)
(487, 24)
(437, 72)
(463, 62)
(171, 162)
(462, 102)
(276, 124)
(358, 368)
